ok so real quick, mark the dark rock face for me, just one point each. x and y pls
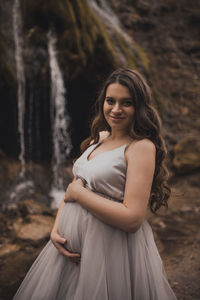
(8, 84)
(82, 44)
(168, 33)
(166, 51)
(36, 184)
(25, 229)
(186, 155)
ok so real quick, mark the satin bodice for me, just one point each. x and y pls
(105, 173)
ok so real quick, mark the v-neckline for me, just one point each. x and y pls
(96, 146)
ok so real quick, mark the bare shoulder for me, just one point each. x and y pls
(103, 135)
(140, 148)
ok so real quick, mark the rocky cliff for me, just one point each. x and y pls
(158, 38)
(161, 40)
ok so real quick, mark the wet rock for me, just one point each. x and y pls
(30, 207)
(36, 230)
(36, 183)
(25, 228)
(8, 249)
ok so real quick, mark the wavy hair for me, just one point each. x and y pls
(146, 124)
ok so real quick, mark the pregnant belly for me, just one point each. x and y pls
(72, 225)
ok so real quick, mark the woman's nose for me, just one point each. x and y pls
(116, 108)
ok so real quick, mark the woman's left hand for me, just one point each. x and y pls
(71, 190)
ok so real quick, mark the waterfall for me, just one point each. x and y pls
(59, 120)
(103, 9)
(17, 30)
(105, 13)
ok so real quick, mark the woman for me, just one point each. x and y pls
(101, 245)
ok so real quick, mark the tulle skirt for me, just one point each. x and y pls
(114, 264)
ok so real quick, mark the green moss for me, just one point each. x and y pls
(105, 41)
(157, 98)
(92, 29)
(186, 155)
(142, 57)
(135, 57)
(87, 38)
(85, 26)
(82, 37)
(79, 30)
(125, 49)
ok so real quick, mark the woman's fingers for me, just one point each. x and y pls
(75, 260)
(74, 257)
(65, 252)
(57, 238)
(59, 242)
(67, 198)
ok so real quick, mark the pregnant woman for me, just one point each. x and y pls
(102, 246)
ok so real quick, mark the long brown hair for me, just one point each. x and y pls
(146, 124)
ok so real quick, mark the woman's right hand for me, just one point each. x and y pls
(58, 241)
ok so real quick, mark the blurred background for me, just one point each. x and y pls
(54, 57)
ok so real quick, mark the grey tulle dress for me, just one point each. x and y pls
(114, 265)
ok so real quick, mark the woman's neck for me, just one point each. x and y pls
(116, 135)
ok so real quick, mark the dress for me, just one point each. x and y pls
(115, 265)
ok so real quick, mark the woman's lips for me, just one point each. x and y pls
(116, 118)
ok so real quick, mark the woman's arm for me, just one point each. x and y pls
(55, 226)
(58, 240)
(130, 214)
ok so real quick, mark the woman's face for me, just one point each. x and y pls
(118, 106)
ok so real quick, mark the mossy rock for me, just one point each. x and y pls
(187, 155)
(80, 33)
(157, 98)
(82, 38)
(142, 59)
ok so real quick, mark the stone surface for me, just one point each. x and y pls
(187, 155)
(25, 228)
(168, 32)
(8, 249)
(37, 229)
(176, 232)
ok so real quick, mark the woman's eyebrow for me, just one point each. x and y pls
(128, 98)
(123, 99)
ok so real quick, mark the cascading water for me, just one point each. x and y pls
(23, 185)
(104, 12)
(59, 120)
(17, 30)
(103, 9)
(59, 117)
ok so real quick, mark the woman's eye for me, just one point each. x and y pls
(110, 101)
(128, 103)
